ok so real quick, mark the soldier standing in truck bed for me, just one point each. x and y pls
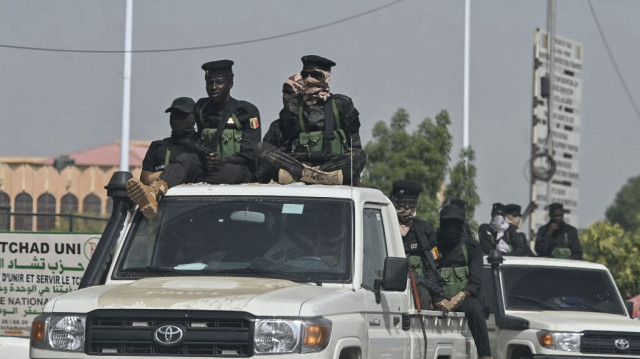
(321, 139)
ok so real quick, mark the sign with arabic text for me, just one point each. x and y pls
(36, 267)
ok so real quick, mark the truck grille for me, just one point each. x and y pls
(201, 333)
(594, 342)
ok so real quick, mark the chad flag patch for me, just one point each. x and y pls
(254, 123)
(435, 252)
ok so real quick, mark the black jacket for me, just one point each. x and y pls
(545, 244)
(516, 241)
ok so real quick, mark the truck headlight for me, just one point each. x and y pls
(58, 332)
(569, 342)
(291, 335)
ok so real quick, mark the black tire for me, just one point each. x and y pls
(521, 353)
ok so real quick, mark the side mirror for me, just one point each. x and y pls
(394, 277)
(629, 306)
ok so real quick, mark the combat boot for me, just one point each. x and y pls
(284, 177)
(146, 197)
(315, 176)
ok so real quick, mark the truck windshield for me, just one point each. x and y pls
(562, 289)
(299, 239)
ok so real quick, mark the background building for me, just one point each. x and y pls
(34, 192)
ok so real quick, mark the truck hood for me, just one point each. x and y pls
(250, 295)
(571, 321)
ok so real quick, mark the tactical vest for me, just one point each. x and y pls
(562, 252)
(333, 140)
(228, 139)
(456, 278)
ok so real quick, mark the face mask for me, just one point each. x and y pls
(513, 220)
(182, 126)
(498, 223)
(405, 215)
(450, 232)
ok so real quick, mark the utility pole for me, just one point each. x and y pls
(126, 88)
(465, 130)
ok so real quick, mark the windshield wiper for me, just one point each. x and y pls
(533, 300)
(579, 303)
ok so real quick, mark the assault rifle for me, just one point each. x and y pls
(197, 146)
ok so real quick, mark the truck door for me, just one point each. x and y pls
(384, 320)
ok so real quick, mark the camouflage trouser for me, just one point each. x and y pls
(271, 159)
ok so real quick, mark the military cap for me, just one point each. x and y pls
(458, 202)
(498, 208)
(218, 68)
(182, 104)
(451, 211)
(316, 62)
(403, 189)
(556, 206)
(513, 209)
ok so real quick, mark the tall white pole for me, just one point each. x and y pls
(465, 129)
(126, 88)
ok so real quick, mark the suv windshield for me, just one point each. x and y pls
(298, 239)
(545, 288)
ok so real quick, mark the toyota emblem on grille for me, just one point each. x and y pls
(168, 335)
(622, 344)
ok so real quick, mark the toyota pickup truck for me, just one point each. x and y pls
(556, 308)
(249, 270)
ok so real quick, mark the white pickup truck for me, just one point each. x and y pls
(238, 271)
(556, 308)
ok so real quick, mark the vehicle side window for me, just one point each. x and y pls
(375, 248)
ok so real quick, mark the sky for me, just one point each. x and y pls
(408, 54)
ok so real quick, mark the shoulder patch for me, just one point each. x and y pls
(254, 123)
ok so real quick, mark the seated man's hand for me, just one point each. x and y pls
(214, 162)
(330, 261)
(154, 176)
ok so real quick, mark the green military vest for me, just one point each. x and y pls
(311, 141)
(229, 140)
(562, 252)
(456, 278)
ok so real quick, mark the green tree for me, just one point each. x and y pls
(463, 184)
(422, 156)
(607, 243)
(625, 209)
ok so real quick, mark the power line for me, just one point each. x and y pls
(210, 46)
(613, 60)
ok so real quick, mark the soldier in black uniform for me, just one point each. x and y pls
(461, 267)
(558, 239)
(500, 235)
(291, 87)
(162, 152)
(321, 140)
(513, 216)
(420, 245)
(231, 127)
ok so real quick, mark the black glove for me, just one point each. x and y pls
(214, 162)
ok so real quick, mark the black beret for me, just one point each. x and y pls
(513, 209)
(556, 206)
(498, 208)
(218, 68)
(316, 62)
(458, 202)
(406, 189)
(451, 211)
(182, 104)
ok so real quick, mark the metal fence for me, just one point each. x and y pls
(50, 222)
